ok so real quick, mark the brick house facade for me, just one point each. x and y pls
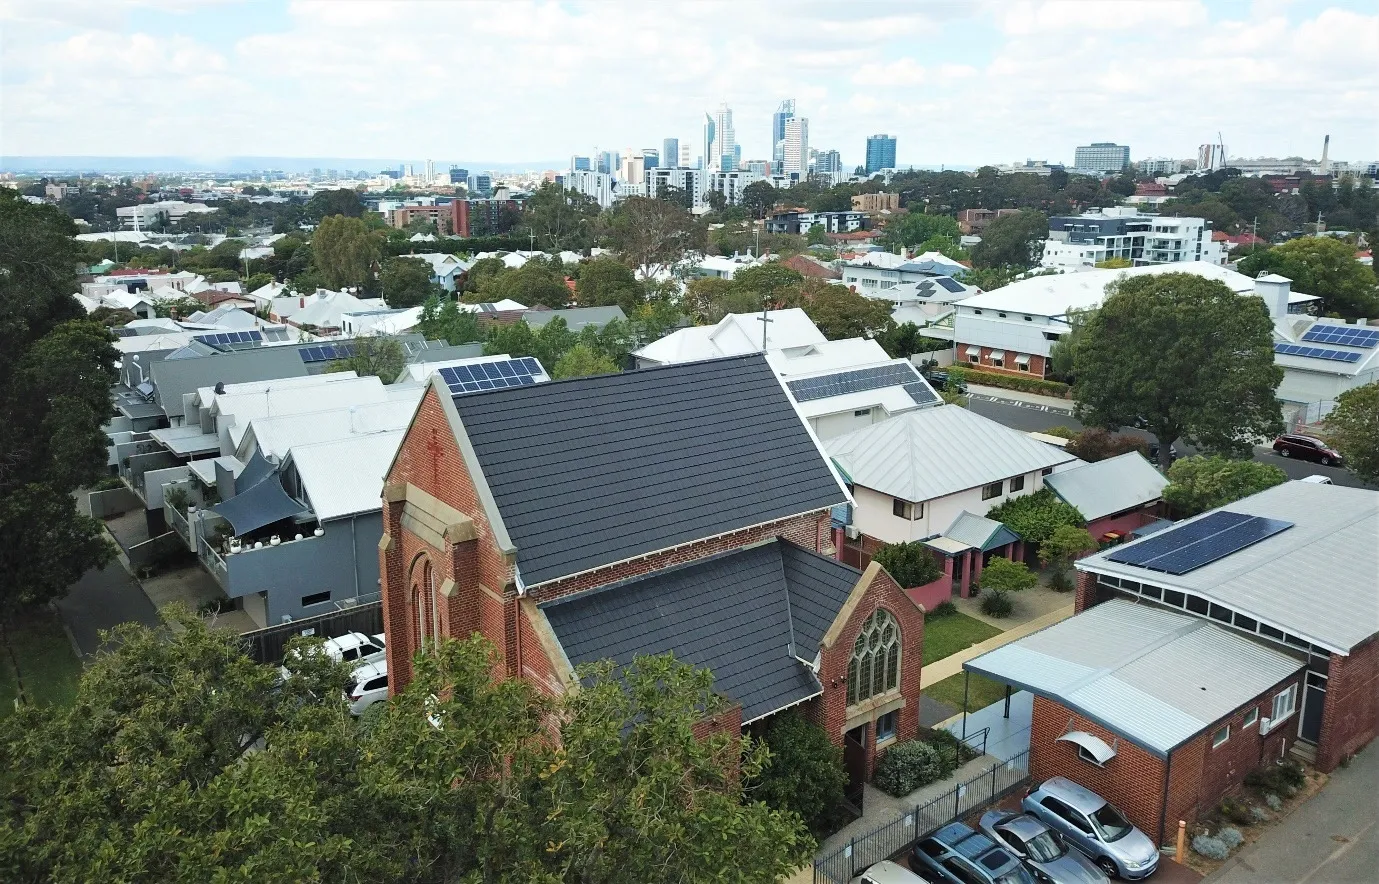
(1038, 366)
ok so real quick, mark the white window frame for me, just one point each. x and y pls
(907, 509)
(1217, 740)
(1251, 718)
(1291, 696)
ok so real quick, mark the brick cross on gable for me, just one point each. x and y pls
(433, 447)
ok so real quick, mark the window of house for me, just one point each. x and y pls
(1285, 703)
(974, 358)
(992, 490)
(999, 363)
(978, 312)
(1251, 717)
(874, 667)
(861, 412)
(902, 509)
(1002, 315)
(1088, 757)
(316, 598)
(1017, 484)
(1029, 319)
(1221, 736)
(1046, 471)
(885, 726)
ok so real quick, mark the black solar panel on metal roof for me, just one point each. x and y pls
(861, 380)
(1188, 547)
(230, 339)
(326, 352)
(125, 332)
(1318, 352)
(480, 376)
(949, 283)
(1346, 335)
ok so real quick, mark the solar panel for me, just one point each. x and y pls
(1188, 547)
(1346, 335)
(1317, 352)
(478, 377)
(861, 380)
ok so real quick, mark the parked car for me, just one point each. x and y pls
(1093, 825)
(1307, 448)
(352, 647)
(1042, 849)
(367, 686)
(939, 380)
(1154, 450)
(887, 872)
(956, 854)
(1318, 480)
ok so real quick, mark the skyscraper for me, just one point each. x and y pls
(720, 139)
(1101, 156)
(706, 162)
(670, 153)
(651, 158)
(685, 155)
(607, 162)
(795, 149)
(579, 164)
(880, 153)
(430, 171)
(785, 112)
(459, 175)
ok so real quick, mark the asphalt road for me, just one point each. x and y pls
(1037, 419)
(102, 600)
(1332, 839)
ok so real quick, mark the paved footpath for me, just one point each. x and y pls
(1332, 839)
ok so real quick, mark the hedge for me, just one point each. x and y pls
(1015, 382)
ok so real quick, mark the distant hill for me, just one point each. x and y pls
(239, 165)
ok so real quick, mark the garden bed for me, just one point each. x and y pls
(1251, 803)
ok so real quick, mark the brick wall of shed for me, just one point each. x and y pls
(1224, 768)
(1350, 716)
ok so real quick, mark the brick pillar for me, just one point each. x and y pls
(977, 566)
(396, 623)
(1350, 716)
(948, 573)
(1086, 591)
(964, 589)
(462, 603)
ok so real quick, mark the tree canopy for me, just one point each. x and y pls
(914, 228)
(1035, 517)
(407, 282)
(334, 202)
(376, 355)
(443, 320)
(1012, 240)
(1093, 444)
(1200, 483)
(804, 773)
(580, 361)
(560, 219)
(1183, 354)
(346, 252)
(652, 235)
(1353, 427)
(1323, 266)
(1001, 575)
(909, 564)
(607, 282)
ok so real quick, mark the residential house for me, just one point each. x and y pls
(446, 269)
(576, 318)
(876, 202)
(975, 221)
(697, 524)
(879, 271)
(807, 265)
(322, 313)
(802, 222)
(1117, 496)
(932, 475)
(925, 303)
(734, 335)
(1268, 656)
(1321, 359)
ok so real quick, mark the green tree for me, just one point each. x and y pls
(804, 773)
(1197, 484)
(547, 345)
(407, 282)
(1353, 427)
(945, 245)
(1186, 355)
(560, 219)
(907, 339)
(1012, 240)
(1323, 266)
(651, 235)
(374, 355)
(443, 320)
(709, 299)
(481, 269)
(769, 283)
(758, 198)
(1093, 444)
(915, 227)
(605, 282)
(1035, 517)
(334, 202)
(533, 284)
(839, 312)
(580, 361)
(1002, 576)
(909, 564)
(345, 252)
(817, 235)
(1066, 543)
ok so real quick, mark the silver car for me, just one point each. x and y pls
(1094, 826)
(1040, 848)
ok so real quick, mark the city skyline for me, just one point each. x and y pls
(304, 79)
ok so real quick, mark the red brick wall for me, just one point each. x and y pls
(1121, 524)
(1224, 768)
(1350, 718)
(831, 711)
(1133, 780)
(1037, 368)
(1086, 594)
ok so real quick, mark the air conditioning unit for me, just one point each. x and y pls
(1264, 724)
(852, 532)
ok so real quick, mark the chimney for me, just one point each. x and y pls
(1274, 290)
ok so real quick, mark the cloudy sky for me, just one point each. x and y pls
(958, 82)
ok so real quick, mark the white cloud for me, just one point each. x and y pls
(538, 80)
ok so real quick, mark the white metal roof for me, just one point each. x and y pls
(1054, 295)
(1109, 486)
(299, 399)
(736, 334)
(345, 477)
(1156, 677)
(1318, 580)
(934, 452)
(274, 437)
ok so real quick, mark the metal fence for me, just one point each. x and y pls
(897, 836)
(267, 645)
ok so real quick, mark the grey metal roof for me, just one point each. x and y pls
(745, 615)
(1110, 486)
(1316, 580)
(979, 532)
(576, 317)
(938, 451)
(591, 471)
(1156, 677)
(174, 377)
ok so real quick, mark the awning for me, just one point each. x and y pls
(257, 506)
(1092, 745)
(974, 351)
(1022, 359)
(998, 354)
(253, 472)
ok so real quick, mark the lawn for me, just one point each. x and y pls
(944, 636)
(45, 658)
(981, 692)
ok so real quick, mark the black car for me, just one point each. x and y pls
(939, 381)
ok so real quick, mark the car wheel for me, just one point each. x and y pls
(1325, 461)
(1109, 867)
(1283, 452)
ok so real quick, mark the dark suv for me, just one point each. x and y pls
(1307, 448)
(940, 381)
(956, 854)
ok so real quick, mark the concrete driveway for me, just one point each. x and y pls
(1332, 839)
(102, 600)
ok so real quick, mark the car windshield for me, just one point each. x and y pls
(1110, 825)
(1045, 847)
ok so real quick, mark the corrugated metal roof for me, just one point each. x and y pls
(276, 436)
(972, 530)
(1316, 580)
(735, 334)
(934, 452)
(345, 477)
(1110, 486)
(591, 471)
(1156, 677)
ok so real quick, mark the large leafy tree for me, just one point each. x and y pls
(1184, 354)
(1035, 517)
(407, 282)
(1323, 266)
(55, 384)
(605, 282)
(580, 361)
(346, 252)
(915, 227)
(377, 355)
(535, 283)
(839, 312)
(443, 320)
(804, 773)
(651, 235)
(1353, 427)
(1012, 240)
(334, 202)
(560, 219)
(1197, 484)
(758, 198)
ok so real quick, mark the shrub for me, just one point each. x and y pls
(1231, 837)
(1094, 444)
(945, 608)
(1211, 848)
(908, 766)
(804, 773)
(1259, 813)
(1015, 382)
(996, 604)
(1275, 803)
(1235, 810)
(1061, 432)
(910, 564)
(1059, 581)
(1035, 516)
(105, 483)
(953, 752)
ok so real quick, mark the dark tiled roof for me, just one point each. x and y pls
(731, 614)
(591, 471)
